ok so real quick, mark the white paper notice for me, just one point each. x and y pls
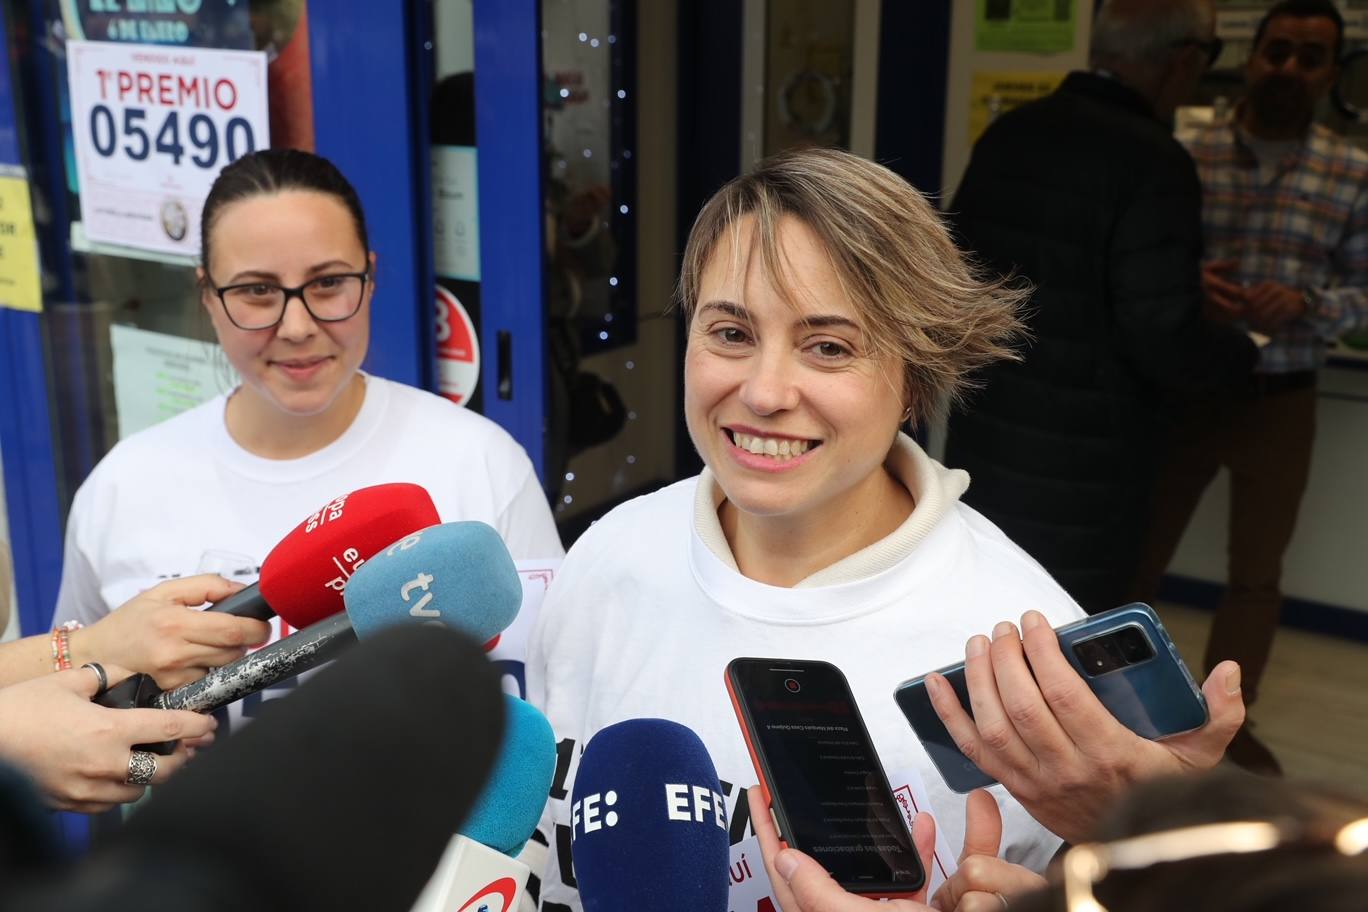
(152, 127)
(750, 886)
(158, 376)
(510, 653)
(456, 212)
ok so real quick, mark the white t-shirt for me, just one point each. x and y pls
(182, 497)
(645, 614)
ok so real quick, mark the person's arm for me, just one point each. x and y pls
(1344, 308)
(1039, 729)
(80, 753)
(1155, 280)
(160, 632)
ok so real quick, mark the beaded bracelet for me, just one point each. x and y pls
(61, 645)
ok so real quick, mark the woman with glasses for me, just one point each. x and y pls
(288, 280)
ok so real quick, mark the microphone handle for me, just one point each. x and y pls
(283, 659)
(245, 603)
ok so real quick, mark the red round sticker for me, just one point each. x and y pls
(458, 349)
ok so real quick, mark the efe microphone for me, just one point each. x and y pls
(303, 577)
(649, 822)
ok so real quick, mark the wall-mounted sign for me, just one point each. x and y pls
(152, 128)
(996, 92)
(201, 23)
(458, 349)
(1030, 26)
(20, 287)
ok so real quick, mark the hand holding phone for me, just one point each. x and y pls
(819, 772)
(1042, 731)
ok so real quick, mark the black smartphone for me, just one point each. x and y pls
(1127, 658)
(819, 772)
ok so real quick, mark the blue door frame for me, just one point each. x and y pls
(371, 81)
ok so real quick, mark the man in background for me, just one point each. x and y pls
(1286, 227)
(1086, 194)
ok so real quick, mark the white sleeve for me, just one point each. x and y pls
(78, 596)
(526, 524)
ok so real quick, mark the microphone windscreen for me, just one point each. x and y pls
(511, 804)
(648, 821)
(304, 576)
(344, 794)
(458, 574)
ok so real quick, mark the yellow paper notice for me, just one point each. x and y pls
(996, 93)
(19, 284)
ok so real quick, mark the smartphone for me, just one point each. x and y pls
(819, 772)
(1128, 660)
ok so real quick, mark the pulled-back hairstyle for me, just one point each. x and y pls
(274, 171)
(917, 295)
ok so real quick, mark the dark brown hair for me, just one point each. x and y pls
(274, 171)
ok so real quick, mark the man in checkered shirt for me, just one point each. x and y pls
(1285, 224)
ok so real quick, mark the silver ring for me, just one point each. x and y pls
(142, 766)
(99, 675)
(1002, 899)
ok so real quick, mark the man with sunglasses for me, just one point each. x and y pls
(1285, 222)
(1086, 194)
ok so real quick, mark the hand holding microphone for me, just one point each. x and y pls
(162, 632)
(81, 755)
(458, 575)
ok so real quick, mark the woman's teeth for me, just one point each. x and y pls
(770, 446)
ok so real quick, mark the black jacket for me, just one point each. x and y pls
(1087, 195)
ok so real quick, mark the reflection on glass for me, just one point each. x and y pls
(808, 68)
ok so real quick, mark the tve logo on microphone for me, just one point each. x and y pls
(420, 583)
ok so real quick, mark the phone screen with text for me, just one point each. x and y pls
(829, 790)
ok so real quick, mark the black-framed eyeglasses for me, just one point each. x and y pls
(1212, 46)
(329, 298)
(1311, 56)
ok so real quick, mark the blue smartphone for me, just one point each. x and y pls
(1128, 660)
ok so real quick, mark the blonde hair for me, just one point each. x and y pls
(918, 297)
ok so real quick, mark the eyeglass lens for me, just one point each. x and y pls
(261, 305)
(1309, 56)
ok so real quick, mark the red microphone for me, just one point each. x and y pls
(303, 577)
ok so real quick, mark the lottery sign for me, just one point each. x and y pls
(152, 128)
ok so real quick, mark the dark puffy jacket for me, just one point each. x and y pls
(1086, 194)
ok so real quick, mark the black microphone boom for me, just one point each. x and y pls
(246, 603)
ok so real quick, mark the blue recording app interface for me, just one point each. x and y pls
(825, 775)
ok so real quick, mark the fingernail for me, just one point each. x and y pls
(1003, 629)
(213, 724)
(1031, 620)
(933, 685)
(976, 647)
(786, 864)
(1233, 681)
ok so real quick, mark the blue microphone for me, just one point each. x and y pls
(478, 870)
(457, 574)
(649, 824)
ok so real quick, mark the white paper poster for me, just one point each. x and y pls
(158, 376)
(152, 127)
(456, 212)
